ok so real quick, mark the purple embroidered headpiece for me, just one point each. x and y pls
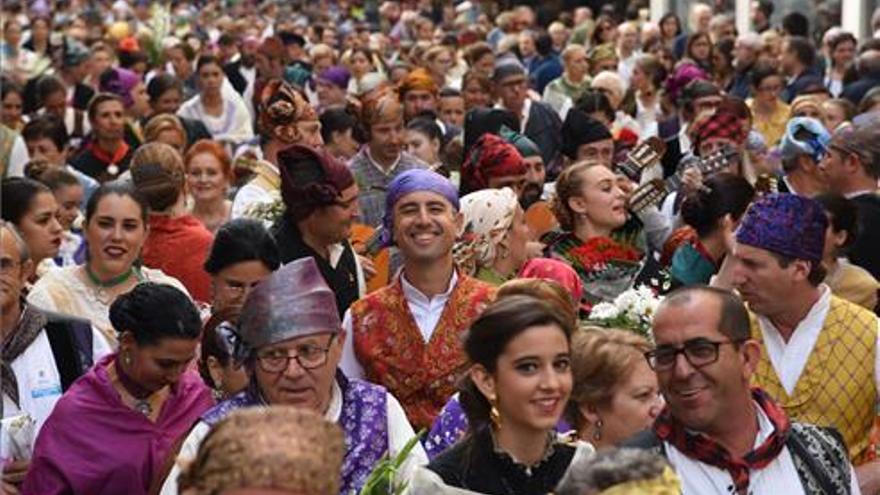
(409, 182)
(295, 301)
(785, 224)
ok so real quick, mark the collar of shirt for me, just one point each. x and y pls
(379, 167)
(860, 193)
(334, 409)
(415, 296)
(790, 358)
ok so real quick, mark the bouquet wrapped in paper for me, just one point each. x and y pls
(17, 438)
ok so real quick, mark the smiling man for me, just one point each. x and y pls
(291, 345)
(407, 335)
(821, 351)
(720, 435)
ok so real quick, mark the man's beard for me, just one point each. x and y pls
(530, 195)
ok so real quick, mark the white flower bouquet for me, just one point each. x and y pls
(632, 310)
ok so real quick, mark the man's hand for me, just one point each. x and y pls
(691, 180)
(368, 266)
(13, 475)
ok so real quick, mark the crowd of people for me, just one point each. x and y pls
(346, 246)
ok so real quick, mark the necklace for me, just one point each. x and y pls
(140, 394)
(100, 287)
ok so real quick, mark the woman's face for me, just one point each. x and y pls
(69, 198)
(634, 405)
(101, 61)
(637, 79)
(174, 138)
(115, 235)
(768, 89)
(474, 96)
(532, 380)
(109, 121)
(517, 237)
(843, 54)
(205, 178)
(360, 65)
(40, 31)
(486, 64)
(700, 49)
(344, 143)
(210, 78)
(607, 33)
(231, 286)
(230, 378)
(601, 200)
(159, 365)
(141, 105)
(12, 34)
(834, 116)
(422, 146)
(40, 227)
(12, 107)
(441, 64)
(669, 28)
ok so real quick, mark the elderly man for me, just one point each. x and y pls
(42, 353)
(406, 335)
(745, 54)
(321, 203)
(803, 146)
(720, 435)
(285, 118)
(852, 168)
(627, 49)
(383, 158)
(291, 344)
(562, 92)
(821, 351)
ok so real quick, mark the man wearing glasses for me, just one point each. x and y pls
(852, 168)
(821, 351)
(291, 343)
(719, 434)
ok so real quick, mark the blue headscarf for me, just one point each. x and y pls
(409, 182)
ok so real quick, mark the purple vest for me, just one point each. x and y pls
(364, 420)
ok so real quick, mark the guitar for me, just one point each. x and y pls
(652, 193)
(540, 218)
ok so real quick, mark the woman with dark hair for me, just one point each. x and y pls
(848, 281)
(713, 212)
(130, 88)
(178, 241)
(32, 208)
(605, 31)
(513, 396)
(424, 139)
(114, 428)
(115, 230)
(68, 192)
(722, 63)
(643, 98)
(340, 132)
(699, 51)
(38, 42)
(107, 153)
(166, 94)
(770, 112)
(842, 51)
(12, 105)
(670, 28)
(223, 112)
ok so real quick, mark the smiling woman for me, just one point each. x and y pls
(115, 229)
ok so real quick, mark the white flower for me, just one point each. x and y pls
(626, 300)
(604, 311)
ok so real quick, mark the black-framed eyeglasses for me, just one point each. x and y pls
(308, 357)
(699, 352)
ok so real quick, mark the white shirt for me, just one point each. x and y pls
(251, 195)
(399, 433)
(778, 477)
(790, 358)
(18, 157)
(426, 311)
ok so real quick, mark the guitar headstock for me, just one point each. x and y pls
(718, 160)
(645, 154)
(646, 195)
(766, 184)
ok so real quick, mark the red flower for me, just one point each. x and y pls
(599, 251)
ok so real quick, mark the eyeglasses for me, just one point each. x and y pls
(308, 357)
(698, 352)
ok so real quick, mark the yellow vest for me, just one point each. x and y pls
(837, 385)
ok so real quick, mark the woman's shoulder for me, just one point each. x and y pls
(158, 276)
(63, 279)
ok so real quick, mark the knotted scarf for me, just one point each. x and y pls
(29, 327)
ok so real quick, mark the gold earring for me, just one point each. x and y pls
(126, 359)
(494, 414)
(597, 430)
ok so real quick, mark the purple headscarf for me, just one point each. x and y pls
(120, 82)
(409, 182)
(785, 224)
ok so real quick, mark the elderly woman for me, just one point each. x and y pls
(612, 85)
(563, 92)
(178, 242)
(292, 316)
(112, 430)
(493, 236)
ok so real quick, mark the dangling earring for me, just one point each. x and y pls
(494, 415)
(597, 430)
(218, 391)
(126, 359)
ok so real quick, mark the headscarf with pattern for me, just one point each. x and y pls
(488, 215)
(411, 181)
(420, 80)
(719, 125)
(281, 107)
(785, 224)
(491, 157)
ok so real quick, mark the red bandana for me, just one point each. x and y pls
(105, 157)
(491, 157)
(704, 449)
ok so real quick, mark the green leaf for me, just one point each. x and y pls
(381, 478)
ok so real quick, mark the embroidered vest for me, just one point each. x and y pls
(390, 347)
(265, 178)
(836, 388)
(364, 421)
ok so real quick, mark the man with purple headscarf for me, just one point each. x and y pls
(290, 341)
(819, 353)
(407, 335)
